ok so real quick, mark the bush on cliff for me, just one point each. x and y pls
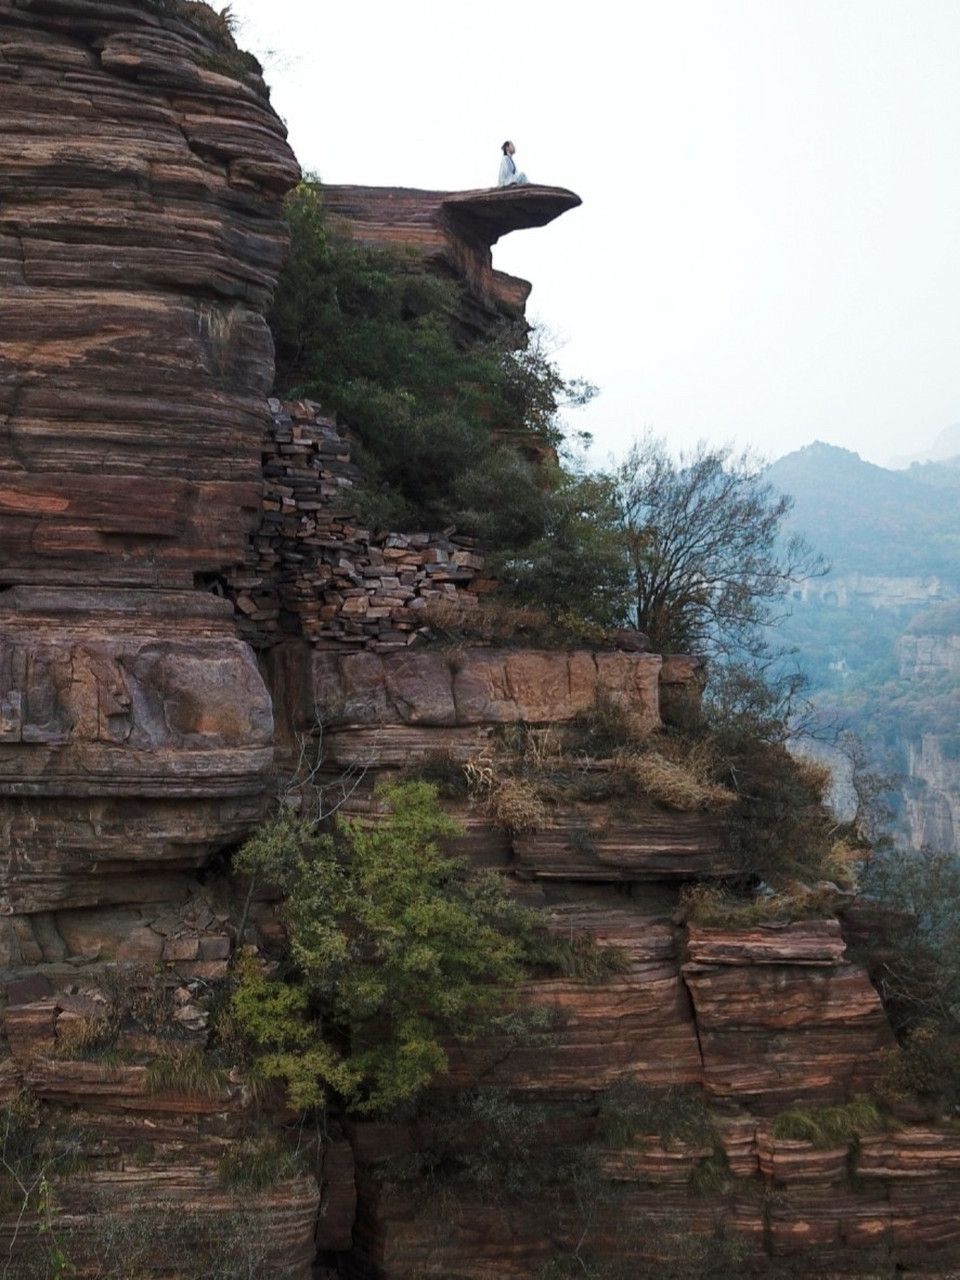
(376, 336)
(915, 951)
(701, 536)
(396, 949)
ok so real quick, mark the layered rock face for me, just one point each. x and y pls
(139, 242)
(141, 237)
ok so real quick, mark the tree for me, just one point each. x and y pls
(575, 569)
(398, 950)
(702, 540)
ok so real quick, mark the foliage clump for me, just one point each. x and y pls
(258, 1164)
(717, 907)
(681, 785)
(396, 951)
(608, 752)
(912, 950)
(136, 997)
(826, 1127)
(924, 1070)
(677, 1114)
(184, 1069)
(915, 951)
(702, 535)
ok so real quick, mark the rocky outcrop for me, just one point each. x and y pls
(453, 231)
(922, 655)
(931, 804)
(929, 747)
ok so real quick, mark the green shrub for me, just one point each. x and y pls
(397, 949)
(710, 1175)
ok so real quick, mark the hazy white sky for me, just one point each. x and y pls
(768, 250)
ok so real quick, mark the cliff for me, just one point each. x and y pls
(140, 238)
(159, 517)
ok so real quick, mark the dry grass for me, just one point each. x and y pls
(675, 784)
(529, 768)
(83, 1037)
(494, 621)
(718, 908)
(481, 771)
(490, 620)
(842, 862)
(184, 1070)
(515, 806)
(220, 24)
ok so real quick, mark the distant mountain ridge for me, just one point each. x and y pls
(868, 519)
(945, 448)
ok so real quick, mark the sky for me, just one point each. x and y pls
(768, 250)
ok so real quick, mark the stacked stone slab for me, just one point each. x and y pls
(316, 571)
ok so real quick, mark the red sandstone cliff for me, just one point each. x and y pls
(140, 235)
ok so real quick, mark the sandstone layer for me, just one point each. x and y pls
(155, 512)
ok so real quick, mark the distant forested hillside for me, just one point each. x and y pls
(870, 520)
(893, 538)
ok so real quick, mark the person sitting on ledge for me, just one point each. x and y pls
(509, 175)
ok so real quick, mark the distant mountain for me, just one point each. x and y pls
(879, 636)
(944, 448)
(871, 520)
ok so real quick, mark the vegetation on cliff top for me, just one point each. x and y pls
(450, 428)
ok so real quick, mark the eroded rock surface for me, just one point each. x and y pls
(139, 241)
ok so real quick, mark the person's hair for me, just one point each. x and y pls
(505, 145)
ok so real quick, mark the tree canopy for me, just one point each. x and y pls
(701, 537)
(398, 949)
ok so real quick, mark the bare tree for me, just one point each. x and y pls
(702, 535)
